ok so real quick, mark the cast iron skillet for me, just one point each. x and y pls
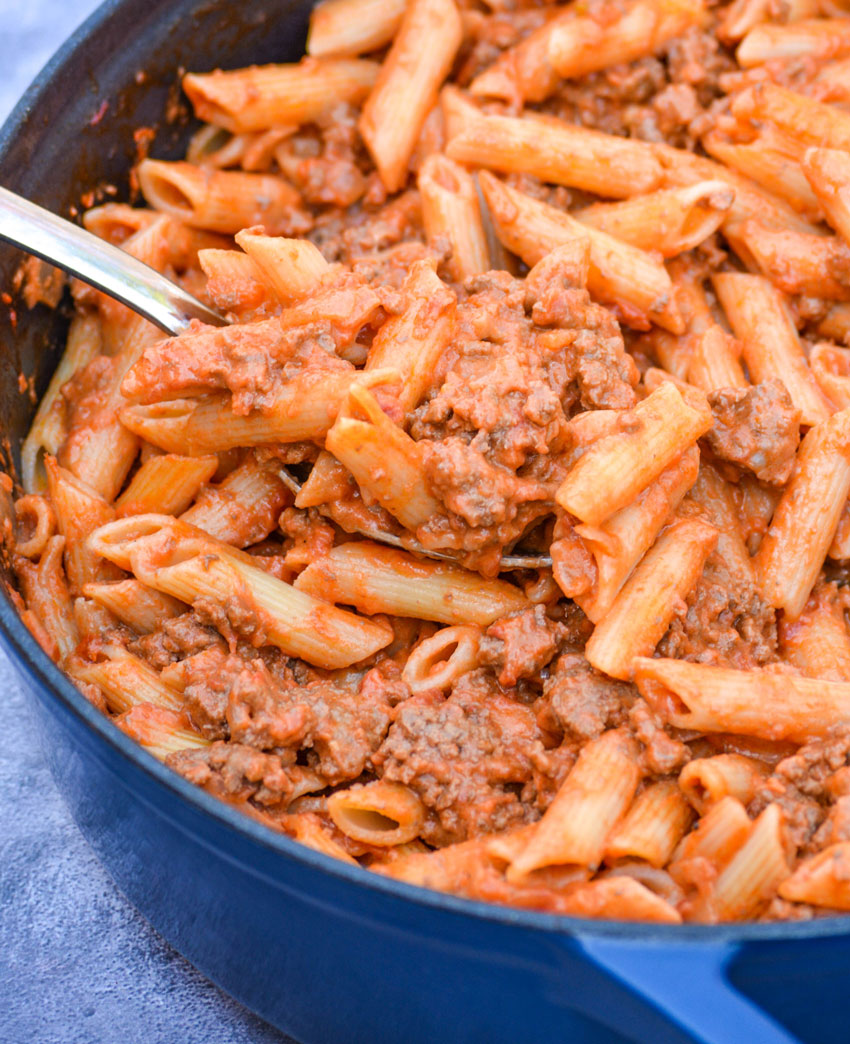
(328, 952)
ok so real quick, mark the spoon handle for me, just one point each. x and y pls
(100, 264)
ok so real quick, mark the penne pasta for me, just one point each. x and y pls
(291, 267)
(766, 704)
(166, 483)
(439, 661)
(219, 200)
(138, 606)
(379, 579)
(652, 827)
(818, 643)
(761, 321)
(816, 38)
(644, 608)
(618, 274)
(561, 153)
(265, 96)
(618, 467)
(126, 681)
(406, 90)
(596, 793)
(806, 518)
(821, 880)
(705, 781)
(451, 209)
(305, 408)
(669, 221)
(754, 873)
(347, 28)
(159, 730)
(378, 813)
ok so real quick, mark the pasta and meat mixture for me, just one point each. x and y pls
(500, 543)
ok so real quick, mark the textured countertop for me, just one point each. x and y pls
(78, 965)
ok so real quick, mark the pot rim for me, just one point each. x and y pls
(28, 657)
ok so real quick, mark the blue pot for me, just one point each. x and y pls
(327, 952)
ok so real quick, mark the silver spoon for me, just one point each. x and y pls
(140, 287)
(100, 264)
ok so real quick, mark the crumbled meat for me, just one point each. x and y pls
(756, 428)
(237, 772)
(581, 703)
(175, 639)
(521, 645)
(663, 753)
(464, 757)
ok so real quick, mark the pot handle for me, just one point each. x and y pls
(688, 985)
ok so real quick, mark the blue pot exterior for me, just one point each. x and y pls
(330, 953)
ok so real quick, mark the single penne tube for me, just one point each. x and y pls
(652, 827)
(35, 524)
(305, 408)
(598, 790)
(618, 544)
(138, 606)
(451, 209)
(559, 152)
(348, 28)
(828, 172)
(48, 431)
(309, 830)
(617, 468)
(582, 45)
(99, 449)
(264, 96)
(760, 319)
(234, 283)
(831, 368)
(408, 85)
(822, 879)
(292, 267)
(219, 200)
(817, 642)
(619, 273)
(705, 781)
(644, 608)
(159, 730)
(739, 17)
(118, 540)
(244, 507)
(384, 460)
(715, 361)
(797, 263)
(116, 222)
(802, 118)
(276, 613)
(768, 166)
(523, 72)
(714, 497)
(125, 681)
(378, 579)
(751, 703)
(819, 38)
(802, 529)
(673, 351)
(669, 221)
(166, 483)
(413, 341)
(752, 200)
(45, 592)
(378, 813)
(80, 510)
(436, 663)
(620, 899)
(755, 871)
(717, 835)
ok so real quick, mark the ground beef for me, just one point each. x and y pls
(803, 787)
(465, 757)
(174, 640)
(521, 645)
(237, 772)
(721, 626)
(663, 753)
(756, 428)
(579, 702)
